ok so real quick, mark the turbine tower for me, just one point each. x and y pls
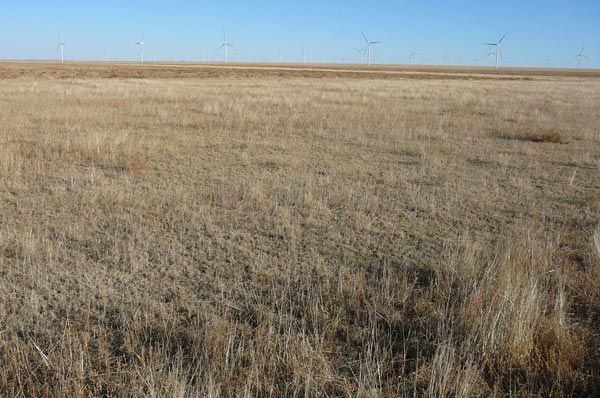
(226, 45)
(368, 47)
(141, 45)
(581, 56)
(498, 51)
(61, 48)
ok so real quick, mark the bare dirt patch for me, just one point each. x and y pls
(552, 137)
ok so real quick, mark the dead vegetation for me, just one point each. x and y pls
(259, 236)
(190, 70)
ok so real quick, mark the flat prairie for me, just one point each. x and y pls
(182, 230)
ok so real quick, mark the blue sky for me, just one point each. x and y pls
(542, 33)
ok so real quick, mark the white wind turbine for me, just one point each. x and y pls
(304, 54)
(581, 56)
(498, 51)
(369, 44)
(362, 54)
(226, 45)
(61, 48)
(141, 45)
(491, 55)
(414, 56)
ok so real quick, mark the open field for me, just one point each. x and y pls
(183, 70)
(269, 232)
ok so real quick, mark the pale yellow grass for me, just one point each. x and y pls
(299, 237)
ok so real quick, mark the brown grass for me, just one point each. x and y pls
(189, 70)
(259, 235)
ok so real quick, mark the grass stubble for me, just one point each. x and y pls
(269, 236)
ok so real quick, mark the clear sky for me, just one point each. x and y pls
(541, 33)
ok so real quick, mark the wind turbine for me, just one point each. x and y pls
(278, 55)
(362, 54)
(304, 53)
(61, 48)
(414, 56)
(237, 53)
(369, 44)
(141, 45)
(490, 55)
(581, 56)
(226, 45)
(498, 51)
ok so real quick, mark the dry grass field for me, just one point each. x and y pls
(211, 232)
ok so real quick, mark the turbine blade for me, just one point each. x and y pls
(365, 37)
(503, 37)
